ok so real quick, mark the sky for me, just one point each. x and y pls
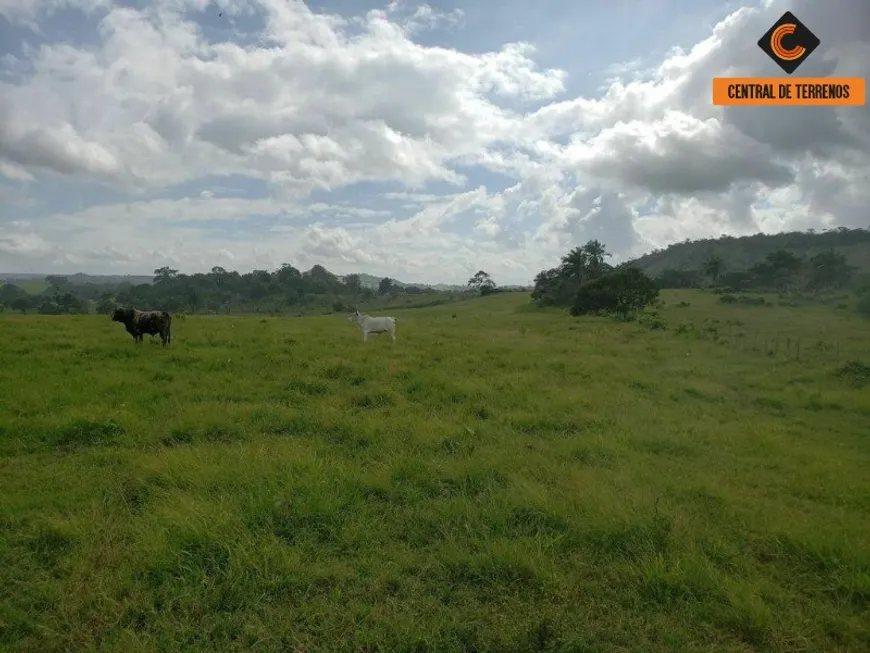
(421, 142)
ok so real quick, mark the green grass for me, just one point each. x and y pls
(503, 480)
(33, 286)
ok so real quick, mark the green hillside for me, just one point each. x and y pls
(372, 282)
(38, 282)
(744, 252)
(34, 286)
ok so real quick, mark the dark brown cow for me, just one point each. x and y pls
(138, 323)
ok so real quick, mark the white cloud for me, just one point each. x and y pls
(677, 153)
(24, 12)
(320, 103)
(15, 172)
(20, 240)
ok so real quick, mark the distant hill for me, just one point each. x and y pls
(371, 281)
(743, 252)
(79, 279)
(36, 282)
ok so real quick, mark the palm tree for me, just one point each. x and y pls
(595, 253)
(713, 267)
(574, 264)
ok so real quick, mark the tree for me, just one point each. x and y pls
(586, 262)
(670, 278)
(713, 267)
(780, 269)
(221, 282)
(621, 291)
(482, 283)
(106, 304)
(574, 264)
(830, 270)
(353, 284)
(23, 304)
(320, 281)
(259, 284)
(548, 288)
(595, 253)
(9, 293)
(559, 286)
(56, 283)
(386, 286)
(164, 275)
(62, 303)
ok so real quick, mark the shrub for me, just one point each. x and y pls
(622, 291)
(653, 321)
(855, 373)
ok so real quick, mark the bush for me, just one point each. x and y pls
(856, 373)
(744, 299)
(622, 291)
(653, 321)
(596, 297)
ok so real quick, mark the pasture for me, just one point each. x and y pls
(504, 480)
(33, 286)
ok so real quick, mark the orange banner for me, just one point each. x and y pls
(789, 92)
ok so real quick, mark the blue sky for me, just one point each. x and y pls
(400, 139)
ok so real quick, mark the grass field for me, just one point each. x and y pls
(33, 286)
(504, 480)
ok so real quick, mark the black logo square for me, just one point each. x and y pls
(788, 42)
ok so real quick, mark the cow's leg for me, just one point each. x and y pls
(365, 336)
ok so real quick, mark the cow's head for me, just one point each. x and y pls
(122, 315)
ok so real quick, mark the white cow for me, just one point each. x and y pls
(368, 324)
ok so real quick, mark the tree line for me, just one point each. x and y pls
(281, 291)
(779, 271)
(584, 282)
